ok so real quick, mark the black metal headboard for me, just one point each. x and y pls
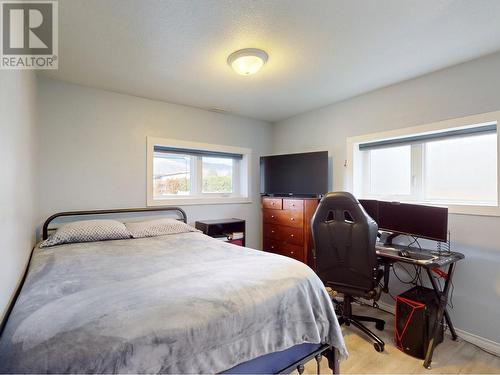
(45, 228)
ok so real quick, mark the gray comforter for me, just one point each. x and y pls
(183, 303)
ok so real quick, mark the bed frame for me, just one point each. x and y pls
(45, 228)
(327, 351)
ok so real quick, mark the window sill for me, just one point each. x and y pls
(184, 201)
(472, 210)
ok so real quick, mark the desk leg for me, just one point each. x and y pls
(442, 300)
(454, 336)
(438, 296)
(387, 270)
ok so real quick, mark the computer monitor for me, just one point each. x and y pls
(413, 219)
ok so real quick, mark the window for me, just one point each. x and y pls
(454, 166)
(397, 162)
(447, 162)
(182, 172)
(219, 174)
(171, 174)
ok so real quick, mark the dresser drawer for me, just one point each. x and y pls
(292, 251)
(282, 248)
(283, 233)
(272, 203)
(283, 217)
(271, 245)
(293, 205)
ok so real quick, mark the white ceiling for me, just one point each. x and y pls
(320, 51)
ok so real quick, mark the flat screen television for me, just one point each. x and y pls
(304, 174)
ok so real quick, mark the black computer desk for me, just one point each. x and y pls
(431, 261)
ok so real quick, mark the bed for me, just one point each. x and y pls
(182, 303)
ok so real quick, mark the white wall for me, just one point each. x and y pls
(93, 149)
(17, 182)
(458, 91)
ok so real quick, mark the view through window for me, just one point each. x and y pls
(186, 175)
(217, 175)
(172, 174)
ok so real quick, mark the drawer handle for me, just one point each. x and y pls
(272, 216)
(291, 252)
(272, 247)
(272, 203)
(272, 232)
(292, 236)
(292, 219)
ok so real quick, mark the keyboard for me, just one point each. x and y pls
(419, 256)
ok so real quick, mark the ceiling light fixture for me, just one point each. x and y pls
(247, 61)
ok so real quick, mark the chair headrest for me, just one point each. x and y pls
(341, 198)
(340, 201)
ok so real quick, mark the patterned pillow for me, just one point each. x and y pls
(87, 231)
(158, 227)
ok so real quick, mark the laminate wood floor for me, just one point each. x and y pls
(450, 357)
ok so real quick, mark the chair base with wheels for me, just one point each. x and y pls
(345, 316)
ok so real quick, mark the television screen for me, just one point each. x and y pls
(294, 174)
(413, 219)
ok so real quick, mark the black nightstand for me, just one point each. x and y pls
(227, 230)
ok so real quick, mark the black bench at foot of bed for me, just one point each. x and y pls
(289, 360)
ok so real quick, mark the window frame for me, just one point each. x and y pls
(241, 179)
(354, 160)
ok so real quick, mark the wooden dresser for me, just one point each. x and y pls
(287, 226)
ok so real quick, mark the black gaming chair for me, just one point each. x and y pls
(345, 258)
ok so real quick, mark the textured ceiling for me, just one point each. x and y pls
(319, 51)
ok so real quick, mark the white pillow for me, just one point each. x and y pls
(87, 231)
(158, 227)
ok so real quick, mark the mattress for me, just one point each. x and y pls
(183, 303)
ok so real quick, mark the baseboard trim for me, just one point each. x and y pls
(485, 344)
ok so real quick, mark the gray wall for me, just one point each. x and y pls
(92, 149)
(17, 186)
(462, 90)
